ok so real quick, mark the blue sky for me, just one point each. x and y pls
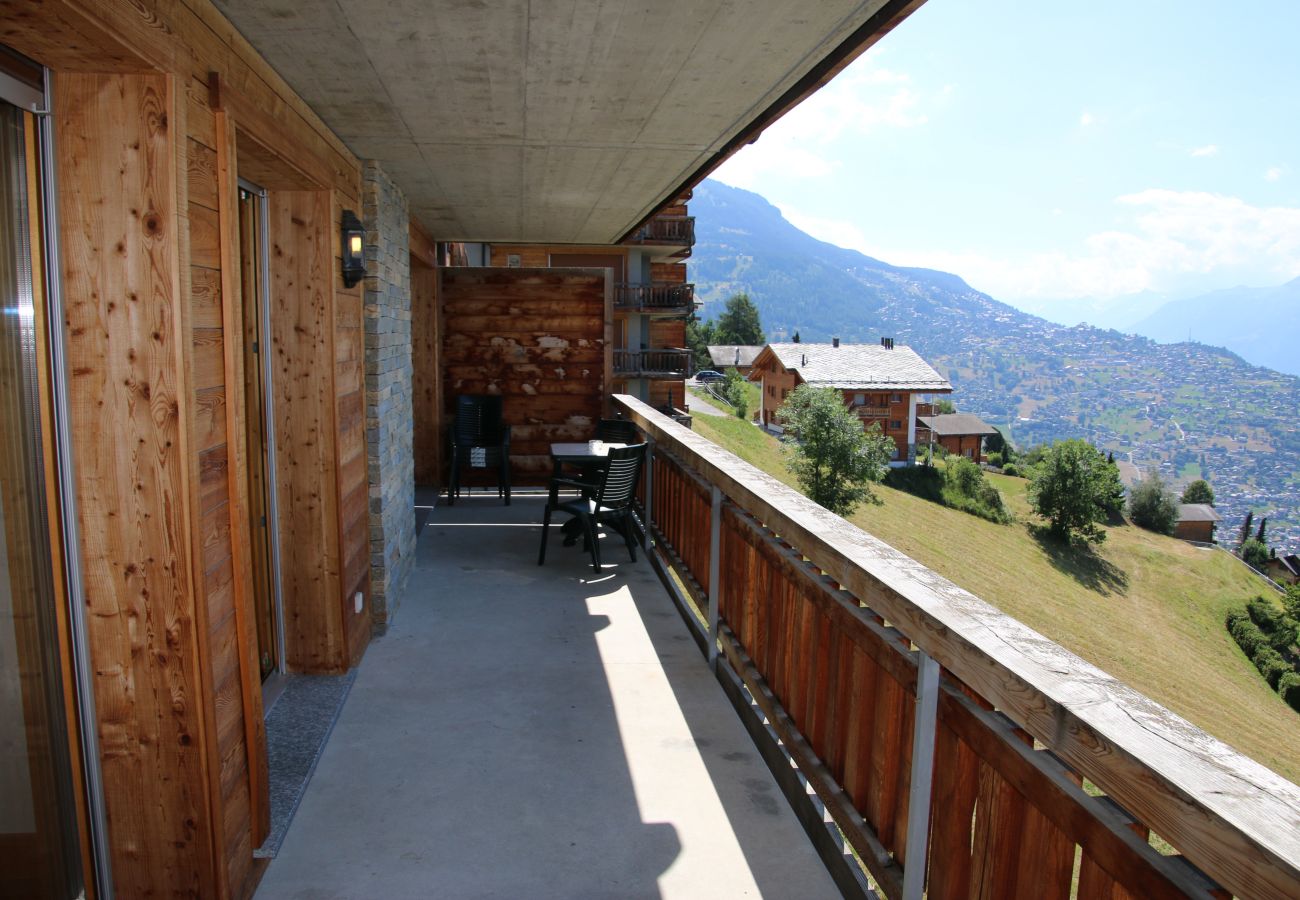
(1057, 155)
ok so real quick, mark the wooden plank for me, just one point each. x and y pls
(302, 280)
(205, 297)
(1246, 828)
(126, 348)
(213, 479)
(205, 243)
(209, 358)
(201, 172)
(209, 417)
(232, 318)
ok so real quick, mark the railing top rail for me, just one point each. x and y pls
(1230, 815)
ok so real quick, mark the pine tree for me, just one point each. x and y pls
(796, 337)
(1245, 529)
(1259, 535)
(739, 323)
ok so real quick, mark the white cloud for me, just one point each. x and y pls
(1086, 119)
(1272, 173)
(1161, 235)
(1207, 150)
(863, 99)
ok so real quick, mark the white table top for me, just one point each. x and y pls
(584, 450)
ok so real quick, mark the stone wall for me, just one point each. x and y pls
(388, 391)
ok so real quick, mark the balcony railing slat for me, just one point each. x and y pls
(656, 297)
(673, 362)
(1235, 819)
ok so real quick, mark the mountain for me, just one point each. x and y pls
(1120, 313)
(1262, 324)
(1187, 409)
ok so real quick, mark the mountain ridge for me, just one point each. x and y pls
(1185, 409)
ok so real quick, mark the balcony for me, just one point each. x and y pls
(664, 363)
(872, 412)
(671, 231)
(657, 299)
(957, 752)
(526, 731)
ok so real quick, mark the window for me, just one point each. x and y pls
(859, 399)
(966, 452)
(895, 398)
(896, 424)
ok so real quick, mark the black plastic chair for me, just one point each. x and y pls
(608, 500)
(481, 440)
(618, 431)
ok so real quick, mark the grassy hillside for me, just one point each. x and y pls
(1146, 608)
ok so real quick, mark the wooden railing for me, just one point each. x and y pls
(673, 362)
(961, 753)
(872, 412)
(659, 297)
(676, 230)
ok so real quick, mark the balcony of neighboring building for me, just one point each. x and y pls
(676, 232)
(663, 362)
(658, 299)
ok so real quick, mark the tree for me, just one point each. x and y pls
(1112, 490)
(833, 458)
(1259, 535)
(1199, 491)
(735, 391)
(739, 323)
(1069, 489)
(1151, 505)
(699, 334)
(943, 405)
(1245, 530)
(996, 443)
(795, 339)
(1292, 601)
(1255, 553)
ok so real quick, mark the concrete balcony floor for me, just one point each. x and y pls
(538, 732)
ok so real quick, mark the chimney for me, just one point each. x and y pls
(805, 360)
(835, 342)
(887, 343)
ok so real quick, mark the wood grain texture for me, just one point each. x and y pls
(548, 366)
(117, 173)
(1228, 815)
(302, 283)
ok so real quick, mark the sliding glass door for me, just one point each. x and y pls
(40, 838)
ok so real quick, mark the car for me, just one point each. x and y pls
(707, 375)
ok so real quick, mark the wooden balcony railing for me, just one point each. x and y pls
(673, 230)
(961, 753)
(660, 297)
(666, 363)
(872, 412)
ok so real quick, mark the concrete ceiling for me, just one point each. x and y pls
(564, 121)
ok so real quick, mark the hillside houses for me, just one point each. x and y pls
(881, 383)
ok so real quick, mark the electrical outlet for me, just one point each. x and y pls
(357, 600)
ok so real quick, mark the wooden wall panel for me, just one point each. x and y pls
(426, 395)
(540, 339)
(117, 159)
(352, 475)
(302, 323)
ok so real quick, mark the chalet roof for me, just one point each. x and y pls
(724, 355)
(858, 367)
(1290, 563)
(1197, 512)
(954, 424)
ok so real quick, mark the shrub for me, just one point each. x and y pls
(1248, 636)
(1292, 601)
(1255, 553)
(1011, 469)
(834, 460)
(1271, 665)
(1151, 505)
(1288, 686)
(994, 460)
(1199, 491)
(1264, 614)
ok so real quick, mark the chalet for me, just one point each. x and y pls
(1284, 569)
(881, 383)
(1196, 522)
(732, 356)
(961, 434)
(253, 255)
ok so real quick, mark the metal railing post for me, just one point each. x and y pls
(918, 802)
(715, 568)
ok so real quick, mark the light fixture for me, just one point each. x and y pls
(354, 266)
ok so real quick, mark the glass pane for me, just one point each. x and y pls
(39, 851)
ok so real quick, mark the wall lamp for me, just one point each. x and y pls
(354, 266)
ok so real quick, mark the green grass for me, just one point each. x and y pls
(1146, 608)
